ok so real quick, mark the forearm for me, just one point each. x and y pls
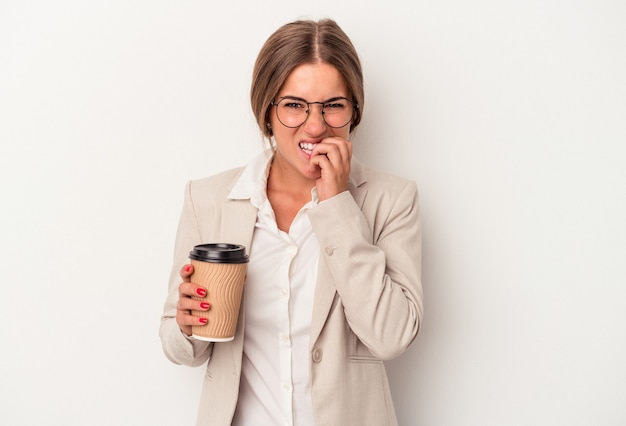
(376, 269)
(177, 347)
(181, 349)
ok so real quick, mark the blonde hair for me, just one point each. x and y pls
(297, 43)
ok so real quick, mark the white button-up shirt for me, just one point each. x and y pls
(282, 272)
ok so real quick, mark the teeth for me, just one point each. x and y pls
(306, 147)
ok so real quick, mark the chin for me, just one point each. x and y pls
(312, 172)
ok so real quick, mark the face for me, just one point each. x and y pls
(313, 83)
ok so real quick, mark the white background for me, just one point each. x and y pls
(510, 116)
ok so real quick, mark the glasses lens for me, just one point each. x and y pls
(294, 112)
(338, 112)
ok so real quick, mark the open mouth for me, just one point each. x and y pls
(307, 147)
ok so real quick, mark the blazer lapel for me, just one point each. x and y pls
(358, 179)
(237, 222)
(325, 289)
(237, 226)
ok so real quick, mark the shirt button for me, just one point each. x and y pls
(285, 291)
(317, 355)
(285, 386)
(329, 250)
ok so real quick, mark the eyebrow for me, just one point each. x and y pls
(297, 98)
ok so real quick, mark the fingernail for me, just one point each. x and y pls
(205, 305)
(187, 268)
(201, 292)
(203, 320)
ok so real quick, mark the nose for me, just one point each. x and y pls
(314, 123)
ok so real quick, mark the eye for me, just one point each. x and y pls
(293, 104)
(336, 105)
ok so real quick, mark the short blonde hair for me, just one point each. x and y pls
(297, 43)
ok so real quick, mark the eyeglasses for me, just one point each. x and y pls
(293, 112)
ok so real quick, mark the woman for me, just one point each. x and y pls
(333, 285)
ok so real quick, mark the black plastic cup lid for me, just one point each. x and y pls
(219, 253)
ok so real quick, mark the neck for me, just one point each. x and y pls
(285, 180)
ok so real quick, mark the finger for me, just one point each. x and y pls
(331, 158)
(344, 145)
(324, 153)
(320, 159)
(185, 319)
(186, 272)
(337, 150)
(192, 304)
(187, 289)
(189, 311)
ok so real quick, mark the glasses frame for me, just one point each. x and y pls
(355, 107)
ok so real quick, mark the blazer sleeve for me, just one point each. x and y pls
(374, 256)
(177, 347)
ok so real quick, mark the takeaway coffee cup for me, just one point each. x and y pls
(221, 269)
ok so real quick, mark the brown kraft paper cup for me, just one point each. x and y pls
(221, 269)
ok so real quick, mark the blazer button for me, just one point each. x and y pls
(329, 250)
(317, 355)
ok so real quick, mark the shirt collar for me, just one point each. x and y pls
(252, 183)
(253, 180)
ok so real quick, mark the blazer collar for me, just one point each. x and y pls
(358, 179)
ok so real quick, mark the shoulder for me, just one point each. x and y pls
(215, 185)
(385, 198)
(377, 181)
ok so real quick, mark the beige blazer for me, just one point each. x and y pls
(368, 299)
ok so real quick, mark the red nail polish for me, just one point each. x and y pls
(201, 292)
(203, 320)
(187, 268)
(205, 305)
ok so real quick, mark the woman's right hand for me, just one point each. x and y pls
(186, 290)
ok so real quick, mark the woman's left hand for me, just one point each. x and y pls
(332, 156)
